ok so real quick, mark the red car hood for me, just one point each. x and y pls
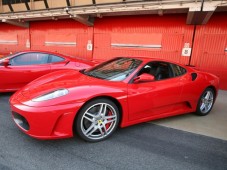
(64, 79)
(81, 88)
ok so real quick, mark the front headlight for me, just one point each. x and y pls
(51, 95)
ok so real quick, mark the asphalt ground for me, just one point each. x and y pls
(143, 146)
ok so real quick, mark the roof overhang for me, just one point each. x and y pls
(20, 23)
(199, 11)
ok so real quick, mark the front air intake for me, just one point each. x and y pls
(21, 121)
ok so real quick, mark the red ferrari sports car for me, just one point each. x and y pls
(21, 68)
(123, 91)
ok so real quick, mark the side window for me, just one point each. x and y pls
(178, 70)
(29, 59)
(54, 59)
(160, 70)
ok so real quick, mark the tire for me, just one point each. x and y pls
(206, 102)
(97, 120)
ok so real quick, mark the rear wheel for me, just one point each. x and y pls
(205, 102)
(97, 120)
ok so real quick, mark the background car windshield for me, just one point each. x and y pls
(114, 70)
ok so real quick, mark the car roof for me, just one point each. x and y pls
(39, 51)
(47, 52)
(67, 57)
(148, 59)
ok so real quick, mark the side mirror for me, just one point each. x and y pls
(144, 78)
(6, 62)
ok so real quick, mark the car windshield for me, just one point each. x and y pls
(117, 69)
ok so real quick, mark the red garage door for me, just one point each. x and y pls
(63, 36)
(210, 48)
(151, 36)
(13, 38)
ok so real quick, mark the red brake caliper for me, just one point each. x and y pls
(108, 124)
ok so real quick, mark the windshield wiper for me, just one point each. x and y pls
(92, 74)
(82, 71)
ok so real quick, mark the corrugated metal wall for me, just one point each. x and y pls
(63, 36)
(210, 47)
(12, 38)
(151, 36)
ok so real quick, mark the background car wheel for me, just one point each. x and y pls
(205, 102)
(97, 120)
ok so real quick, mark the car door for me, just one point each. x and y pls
(156, 98)
(24, 68)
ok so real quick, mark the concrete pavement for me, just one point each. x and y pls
(212, 125)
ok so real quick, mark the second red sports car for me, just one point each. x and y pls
(21, 68)
(120, 92)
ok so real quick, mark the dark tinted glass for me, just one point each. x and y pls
(178, 70)
(160, 70)
(29, 59)
(55, 59)
(114, 70)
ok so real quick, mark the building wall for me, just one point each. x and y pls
(12, 38)
(210, 47)
(150, 36)
(63, 36)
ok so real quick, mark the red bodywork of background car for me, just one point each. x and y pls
(137, 102)
(14, 77)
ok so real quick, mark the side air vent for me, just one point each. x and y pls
(194, 76)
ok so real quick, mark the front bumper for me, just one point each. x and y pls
(51, 122)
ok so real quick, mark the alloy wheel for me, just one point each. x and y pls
(98, 121)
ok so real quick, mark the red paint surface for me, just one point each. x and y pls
(139, 102)
(62, 31)
(14, 77)
(209, 49)
(142, 30)
(209, 43)
(13, 33)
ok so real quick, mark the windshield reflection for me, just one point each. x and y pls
(117, 69)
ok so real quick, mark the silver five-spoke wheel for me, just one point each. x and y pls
(97, 120)
(206, 102)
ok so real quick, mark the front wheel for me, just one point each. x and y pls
(97, 120)
(205, 102)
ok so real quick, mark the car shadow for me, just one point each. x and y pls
(6, 94)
